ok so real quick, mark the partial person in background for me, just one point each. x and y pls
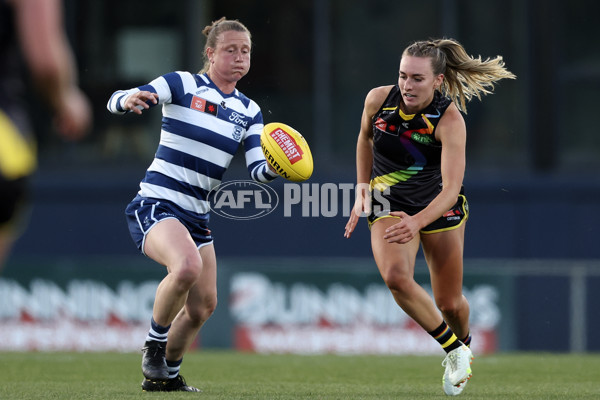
(32, 41)
(410, 161)
(205, 120)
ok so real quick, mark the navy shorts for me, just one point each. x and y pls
(144, 213)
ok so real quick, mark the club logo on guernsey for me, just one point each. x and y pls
(202, 105)
(237, 132)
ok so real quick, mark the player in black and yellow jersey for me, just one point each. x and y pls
(33, 42)
(410, 169)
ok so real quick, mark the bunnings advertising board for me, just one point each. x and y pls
(305, 306)
(342, 307)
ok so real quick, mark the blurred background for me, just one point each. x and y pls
(532, 260)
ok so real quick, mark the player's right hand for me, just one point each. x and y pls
(362, 207)
(138, 101)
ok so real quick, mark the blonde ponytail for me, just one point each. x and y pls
(465, 77)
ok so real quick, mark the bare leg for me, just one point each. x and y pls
(444, 255)
(170, 244)
(396, 263)
(201, 303)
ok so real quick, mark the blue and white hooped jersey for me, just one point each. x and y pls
(201, 131)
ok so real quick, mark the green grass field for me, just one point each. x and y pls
(231, 375)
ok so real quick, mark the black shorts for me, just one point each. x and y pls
(14, 198)
(452, 219)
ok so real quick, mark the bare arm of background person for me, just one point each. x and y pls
(51, 63)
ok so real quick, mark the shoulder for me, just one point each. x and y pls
(378, 94)
(248, 103)
(452, 123)
(178, 77)
(376, 97)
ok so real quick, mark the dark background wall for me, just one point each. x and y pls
(533, 147)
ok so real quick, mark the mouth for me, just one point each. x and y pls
(409, 96)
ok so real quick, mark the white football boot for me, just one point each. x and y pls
(458, 366)
(450, 389)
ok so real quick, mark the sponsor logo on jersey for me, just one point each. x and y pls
(239, 119)
(382, 125)
(202, 105)
(452, 215)
(422, 138)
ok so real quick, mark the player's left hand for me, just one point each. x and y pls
(404, 231)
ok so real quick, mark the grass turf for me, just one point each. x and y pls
(232, 375)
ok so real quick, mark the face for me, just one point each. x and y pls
(417, 82)
(230, 60)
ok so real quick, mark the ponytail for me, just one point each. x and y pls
(465, 77)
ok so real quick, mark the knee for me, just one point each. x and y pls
(187, 273)
(449, 306)
(397, 281)
(203, 310)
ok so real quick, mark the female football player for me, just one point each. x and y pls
(410, 165)
(205, 119)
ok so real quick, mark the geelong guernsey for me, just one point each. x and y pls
(201, 131)
(406, 153)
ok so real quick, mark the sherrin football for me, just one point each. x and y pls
(286, 150)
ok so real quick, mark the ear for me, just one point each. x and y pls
(438, 81)
(210, 53)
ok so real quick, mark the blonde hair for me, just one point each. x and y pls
(465, 77)
(213, 31)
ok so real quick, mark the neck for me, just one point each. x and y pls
(223, 85)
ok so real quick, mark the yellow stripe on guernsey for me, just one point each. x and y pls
(17, 156)
(383, 182)
(406, 117)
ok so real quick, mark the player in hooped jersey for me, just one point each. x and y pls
(411, 153)
(205, 119)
